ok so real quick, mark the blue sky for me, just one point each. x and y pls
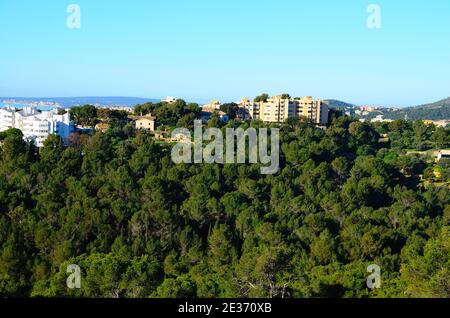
(227, 49)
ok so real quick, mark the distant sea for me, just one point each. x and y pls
(2, 105)
(20, 106)
(76, 101)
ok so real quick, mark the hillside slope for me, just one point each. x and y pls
(439, 110)
(333, 103)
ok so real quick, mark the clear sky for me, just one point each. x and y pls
(227, 49)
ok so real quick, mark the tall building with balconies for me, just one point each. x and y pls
(248, 109)
(311, 109)
(278, 109)
(6, 118)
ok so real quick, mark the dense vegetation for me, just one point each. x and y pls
(139, 225)
(177, 114)
(89, 115)
(413, 135)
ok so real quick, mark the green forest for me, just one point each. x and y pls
(138, 225)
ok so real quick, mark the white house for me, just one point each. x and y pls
(36, 126)
(169, 99)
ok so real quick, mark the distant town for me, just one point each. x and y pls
(37, 119)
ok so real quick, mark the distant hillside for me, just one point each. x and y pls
(74, 101)
(435, 111)
(333, 103)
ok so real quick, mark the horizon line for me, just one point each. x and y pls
(206, 100)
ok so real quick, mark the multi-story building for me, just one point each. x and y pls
(278, 109)
(213, 105)
(36, 126)
(6, 119)
(248, 109)
(314, 110)
(275, 109)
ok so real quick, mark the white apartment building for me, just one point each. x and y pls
(6, 119)
(36, 126)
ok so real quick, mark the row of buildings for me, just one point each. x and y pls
(276, 109)
(36, 125)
